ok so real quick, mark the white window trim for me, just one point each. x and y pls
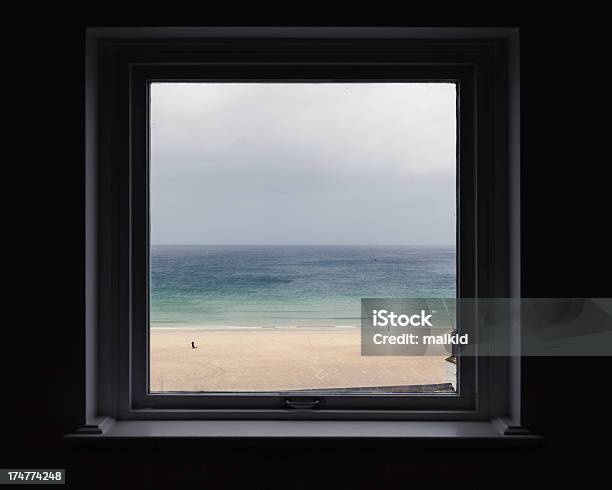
(105, 419)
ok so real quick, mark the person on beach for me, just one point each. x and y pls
(193, 346)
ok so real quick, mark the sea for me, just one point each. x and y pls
(235, 286)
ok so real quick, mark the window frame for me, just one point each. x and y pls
(123, 70)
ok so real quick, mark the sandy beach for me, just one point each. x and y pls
(274, 359)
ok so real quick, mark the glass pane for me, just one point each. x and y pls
(276, 207)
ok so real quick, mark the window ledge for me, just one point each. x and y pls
(496, 431)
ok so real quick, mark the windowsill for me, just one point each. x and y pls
(493, 432)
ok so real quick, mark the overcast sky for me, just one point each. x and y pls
(303, 163)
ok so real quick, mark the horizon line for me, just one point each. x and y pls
(306, 244)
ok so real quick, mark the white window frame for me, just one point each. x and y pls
(120, 62)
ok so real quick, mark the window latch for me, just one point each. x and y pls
(303, 404)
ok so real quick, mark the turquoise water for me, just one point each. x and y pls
(282, 286)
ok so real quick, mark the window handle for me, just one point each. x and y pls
(303, 404)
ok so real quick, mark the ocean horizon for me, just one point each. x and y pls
(242, 286)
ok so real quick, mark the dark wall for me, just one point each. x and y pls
(567, 204)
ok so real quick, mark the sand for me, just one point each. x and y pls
(277, 359)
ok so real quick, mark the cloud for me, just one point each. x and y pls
(303, 163)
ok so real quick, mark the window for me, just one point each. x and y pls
(275, 207)
(185, 174)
